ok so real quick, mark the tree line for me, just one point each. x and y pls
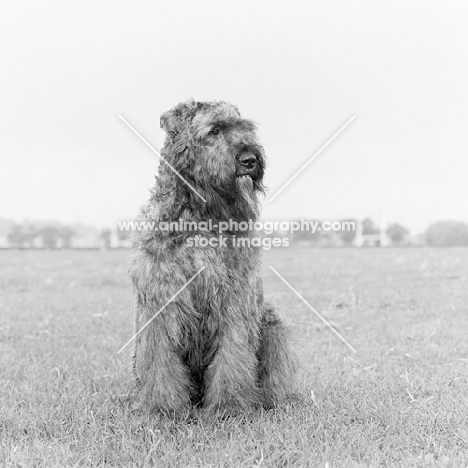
(441, 233)
(51, 236)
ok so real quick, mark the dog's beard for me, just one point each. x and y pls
(245, 183)
(245, 186)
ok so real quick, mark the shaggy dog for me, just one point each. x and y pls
(215, 343)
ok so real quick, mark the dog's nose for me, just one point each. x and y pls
(248, 160)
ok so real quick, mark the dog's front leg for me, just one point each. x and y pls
(231, 378)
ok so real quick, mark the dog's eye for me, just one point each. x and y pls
(215, 131)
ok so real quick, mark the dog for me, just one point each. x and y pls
(206, 337)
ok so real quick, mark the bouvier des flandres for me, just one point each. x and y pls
(216, 344)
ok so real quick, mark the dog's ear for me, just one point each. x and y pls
(176, 123)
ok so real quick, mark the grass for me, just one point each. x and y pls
(400, 401)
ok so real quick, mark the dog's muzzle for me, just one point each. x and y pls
(248, 164)
(248, 161)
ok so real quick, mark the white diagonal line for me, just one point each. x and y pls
(161, 309)
(312, 158)
(312, 309)
(160, 157)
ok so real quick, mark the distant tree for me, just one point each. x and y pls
(50, 236)
(347, 236)
(320, 237)
(397, 233)
(31, 232)
(446, 233)
(22, 235)
(106, 235)
(17, 236)
(328, 238)
(123, 235)
(368, 227)
(66, 234)
(306, 236)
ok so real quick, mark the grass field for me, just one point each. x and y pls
(401, 400)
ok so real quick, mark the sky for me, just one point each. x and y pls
(300, 69)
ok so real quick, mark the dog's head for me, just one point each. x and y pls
(213, 146)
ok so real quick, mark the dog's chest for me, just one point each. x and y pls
(229, 273)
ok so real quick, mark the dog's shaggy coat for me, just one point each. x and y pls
(216, 344)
